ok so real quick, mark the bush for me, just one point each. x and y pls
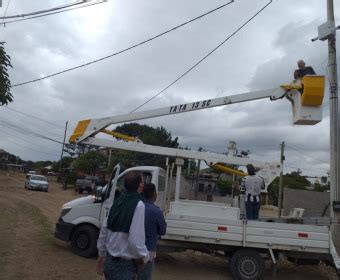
(224, 186)
(71, 178)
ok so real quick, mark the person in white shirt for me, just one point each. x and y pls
(253, 185)
(121, 242)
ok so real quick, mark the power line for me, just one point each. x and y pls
(318, 171)
(53, 13)
(28, 147)
(126, 49)
(202, 59)
(35, 117)
(30, 123)
(27, 131)
(46, 11)
(306, 154)
(9, 1)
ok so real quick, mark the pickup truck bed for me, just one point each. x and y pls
(213, 226)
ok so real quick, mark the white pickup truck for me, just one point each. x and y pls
(203, 226)
(208, 226)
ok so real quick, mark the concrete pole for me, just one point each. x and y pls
(178, 182)
(62, 150)
(197, 178)
(109, 158)
(281, 179)
(333, 103)
(165, 198)
(179, 162)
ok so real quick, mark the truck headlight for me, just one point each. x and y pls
(64, 211)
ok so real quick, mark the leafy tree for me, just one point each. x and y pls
(319, 188)
(5, 83)
(158, 136)
(65, 163)
(42, 163)
(90, 162)
(293, 180)
(224, 186)
(153, 136)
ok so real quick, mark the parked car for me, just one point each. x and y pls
(36, 182)
(31, 172)
(87, 184)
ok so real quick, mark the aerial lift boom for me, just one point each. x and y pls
(306, 98)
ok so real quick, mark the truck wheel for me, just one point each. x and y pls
(247, 265)
(84, 241)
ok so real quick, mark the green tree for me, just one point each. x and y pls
(65, 163)
(224, 186)
(5, 84)
(158, 136)
(42, 163)
(292, 180)
(90, 162)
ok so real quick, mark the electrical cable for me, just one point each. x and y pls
(57, 125)
(53, 13)
(289, 147)
(9, 1)
(31, 124)
(204, 58)
(293, 167)
(26, 146)
(27, 131)
(124, 50)
(46, 11)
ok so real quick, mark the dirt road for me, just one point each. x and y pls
(29, 250)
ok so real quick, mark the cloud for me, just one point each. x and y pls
(261, 56)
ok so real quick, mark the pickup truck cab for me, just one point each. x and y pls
(87, 184)
(80, 219)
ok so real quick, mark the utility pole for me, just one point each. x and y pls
(109, 158)
(327, 31)
(334, 105)
(62, 150)
(282, 158)
(334, 125)
(197, 178)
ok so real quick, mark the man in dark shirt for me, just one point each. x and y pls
(303, 70)
(154, 226)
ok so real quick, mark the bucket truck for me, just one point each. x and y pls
(206, 226)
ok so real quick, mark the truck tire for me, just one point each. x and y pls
(84, 241)
(247, 265)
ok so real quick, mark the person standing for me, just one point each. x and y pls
(155, 226)
(253, 185)
(303, 70)
(121, 242)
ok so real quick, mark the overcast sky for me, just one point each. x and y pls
(261, 56)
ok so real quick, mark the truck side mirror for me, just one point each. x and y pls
(98, 194)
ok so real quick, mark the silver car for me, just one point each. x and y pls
(36, 182)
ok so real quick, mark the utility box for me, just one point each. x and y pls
(326, 30)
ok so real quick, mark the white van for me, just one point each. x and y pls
(80, 219)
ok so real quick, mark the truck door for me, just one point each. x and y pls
(161, 195)
(109, 196)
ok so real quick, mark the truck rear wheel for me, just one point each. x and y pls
(84, 241)
(247, 265)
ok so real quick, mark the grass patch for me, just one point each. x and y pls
(43, 225)
(8, 222)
